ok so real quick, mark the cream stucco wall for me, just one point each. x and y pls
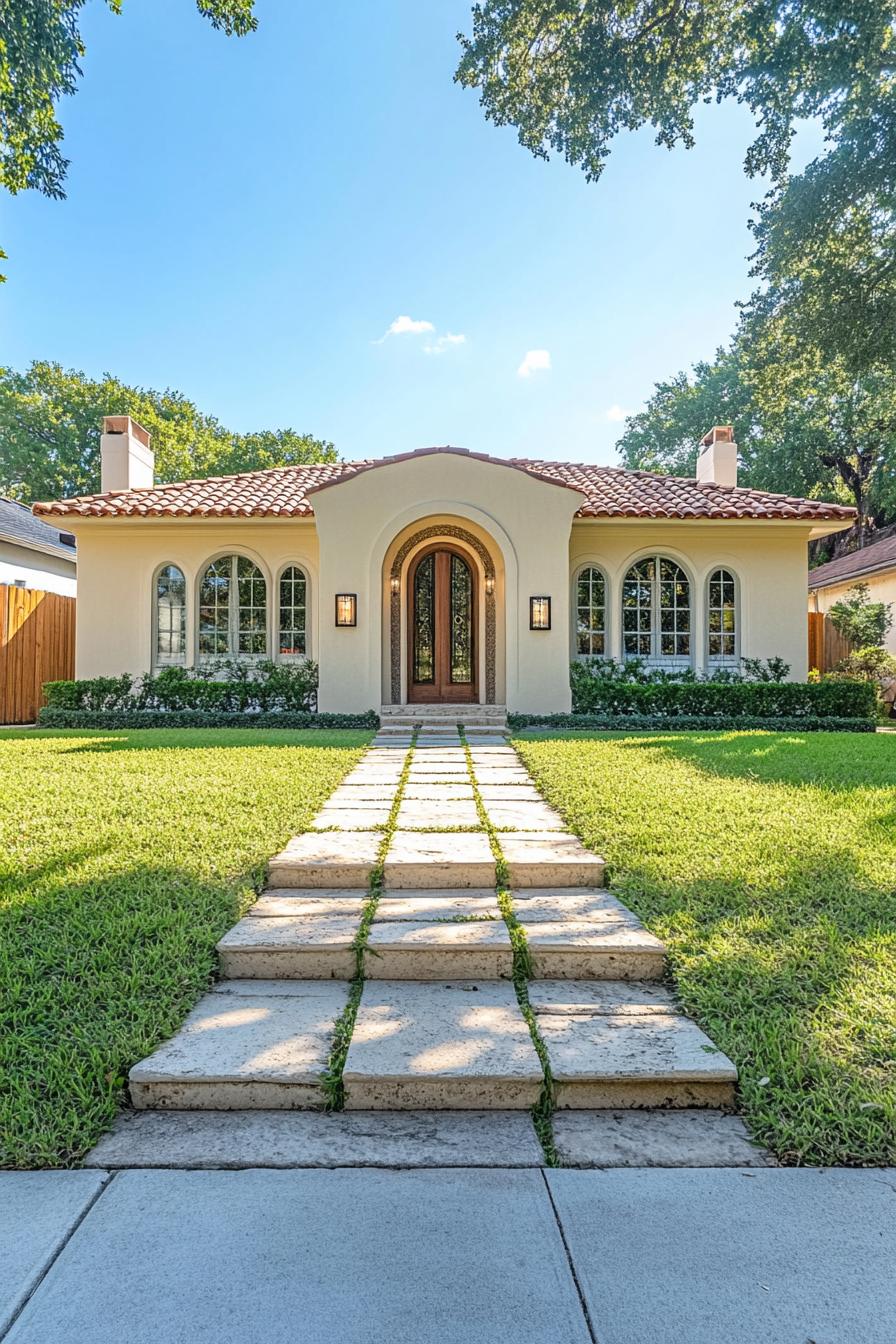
(881, 588)
(119, 558)
(768, 559)
(527, 527)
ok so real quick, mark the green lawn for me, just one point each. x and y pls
(767, 862)
(123, 858)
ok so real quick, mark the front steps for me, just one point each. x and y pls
(439, 1026)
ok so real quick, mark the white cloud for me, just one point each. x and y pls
(534, 361)
(406, 326)
(443, 343)
(616, 413)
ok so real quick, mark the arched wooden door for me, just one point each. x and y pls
(441, 627)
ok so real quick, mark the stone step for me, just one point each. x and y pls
(549, 859)
(290, 947)
(584, 933)
(473, 949)
(326, 859)
(442, 1046)
(619, 1045)
(234, 1140)
(245, 1046)
(442, 859)
(455, 713)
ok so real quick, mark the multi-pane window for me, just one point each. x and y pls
(656, 611)
(591, 613)
(721, 616)
(232, 609)
(293, 641)
(171, 616)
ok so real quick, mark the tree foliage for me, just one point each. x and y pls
(40, 53)
(51, 420)
(863, 622)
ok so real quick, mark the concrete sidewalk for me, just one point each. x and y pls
(460, 1257)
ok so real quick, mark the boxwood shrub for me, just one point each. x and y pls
(607, 697)
(52, 717)
(807, 723)
(225, 695)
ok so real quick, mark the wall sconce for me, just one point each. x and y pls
(395, 586)
(539, 613)
(346, 608)
(490, 586)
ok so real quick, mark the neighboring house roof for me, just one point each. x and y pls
(870, 559)
(18, 524)
(610, 492)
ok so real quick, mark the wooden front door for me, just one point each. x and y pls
(441, 628)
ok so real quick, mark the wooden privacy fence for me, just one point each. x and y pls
(826, 647)
(37, 644)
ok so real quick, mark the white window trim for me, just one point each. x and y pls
(668, 661)
(204, 659)
(574, 616)
(158, 661)
(727, 659)
(290, 658)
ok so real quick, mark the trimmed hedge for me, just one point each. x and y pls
(242, 688)
(609, 698)
(51, 717)
(633, 723)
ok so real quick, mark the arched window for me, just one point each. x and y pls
(656, 611)
(232, 609)
(170, 617)
(721, 617)
(293, 614)
(591, 613)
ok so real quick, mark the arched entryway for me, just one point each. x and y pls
(461, 634)
(442, 627)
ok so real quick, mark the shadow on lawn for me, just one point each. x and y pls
(93, 977)
(72, 740)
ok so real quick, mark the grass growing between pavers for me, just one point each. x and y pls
(344, 1026)
(124, 856)
(767, 864)
(543, 1110)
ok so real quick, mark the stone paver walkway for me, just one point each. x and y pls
(439, 919)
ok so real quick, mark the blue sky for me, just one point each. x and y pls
(246, 219)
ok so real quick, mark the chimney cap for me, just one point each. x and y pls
(718, 434)
(123, 424)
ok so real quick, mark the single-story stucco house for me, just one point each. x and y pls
(873, 565)
(33, 554)
(439, 576)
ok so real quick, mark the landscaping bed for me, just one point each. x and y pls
(124, 856)
(767, 863)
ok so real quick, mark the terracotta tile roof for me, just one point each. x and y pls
(870, 559)
(610, 492)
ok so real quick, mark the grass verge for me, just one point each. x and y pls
(333, 1085)
(767, 864)
(124, 856)
(543, 1110)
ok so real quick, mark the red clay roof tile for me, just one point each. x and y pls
(610, 492)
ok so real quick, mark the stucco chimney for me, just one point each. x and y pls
(126, 460)
(717, 463)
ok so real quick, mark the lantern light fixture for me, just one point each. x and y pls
(539, 613)
(490, 585)
(395, 585)
(346, 609)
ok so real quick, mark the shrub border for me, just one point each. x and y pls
(50, 717)
(809, 723)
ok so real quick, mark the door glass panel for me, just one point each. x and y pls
(424, 620)
(461, 621)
